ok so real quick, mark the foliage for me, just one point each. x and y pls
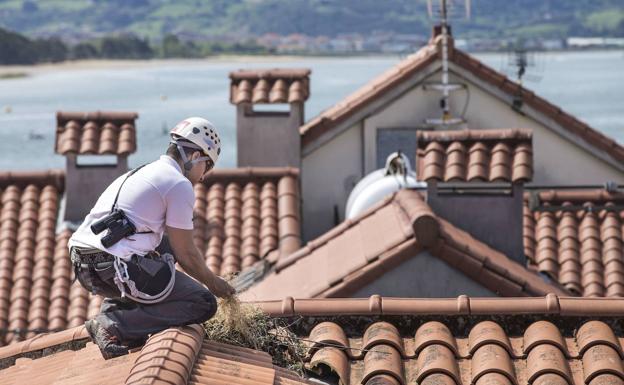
(205, 18)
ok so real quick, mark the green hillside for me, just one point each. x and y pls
(200, 19)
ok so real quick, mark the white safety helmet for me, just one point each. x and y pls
(202, 134)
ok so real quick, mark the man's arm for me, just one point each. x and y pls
(192, 262)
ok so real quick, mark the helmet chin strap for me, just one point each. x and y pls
(188, 164)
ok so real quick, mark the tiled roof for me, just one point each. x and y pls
(175, 356)
(475, 155)
(386, 235)
(270, 86)
(95, 133)
(576, 237)
(414, 63)
(463, 341)
(244, 215)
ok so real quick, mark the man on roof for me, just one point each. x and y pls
(114, 255)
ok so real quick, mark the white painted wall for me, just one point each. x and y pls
(327, 176)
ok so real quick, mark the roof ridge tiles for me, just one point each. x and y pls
(54, 177)
(551, 304)
(503, 134)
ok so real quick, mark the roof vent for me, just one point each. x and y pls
(396, 175)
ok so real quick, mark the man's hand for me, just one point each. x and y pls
(221, 288)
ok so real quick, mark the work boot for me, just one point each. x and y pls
(109, 344)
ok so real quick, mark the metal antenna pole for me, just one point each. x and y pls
(445, 77)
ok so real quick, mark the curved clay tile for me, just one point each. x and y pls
(455, 163)
(522, 164)
(288, 215)
(243, 92)
(250, 231)
(95, 302)
(232, 227)
(215, 221)
(594, 333)
(545, 358)
(382, 379)
(434, 332)
(500, 163)
(61, 282)
(601, 359)
(528, 233)
(439, 379)
(333, 359)
(268, 215)
(78, 305)
(127, 140)
(488, 332)
(328, 333)
(493, 378)
(607, 379)
(433, 162)
(435, 359)
(108, 139)
(478, 162)
(382, 333)
(69, 138)
(297, 92)
(492, 358)
(550, 379)
(279, 92)
(543, 332)
(383, 359)
(261, 92)
(89, 142)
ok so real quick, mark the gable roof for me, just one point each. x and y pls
(577, 238)
(95, 133)
(460, 341)
(366, 95)
(501, 155)
(175, 356)
(241, 216)
(396, 229)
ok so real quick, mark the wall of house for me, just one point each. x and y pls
(338, 164)
(413, 278)
(328, 175)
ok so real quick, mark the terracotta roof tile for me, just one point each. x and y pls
(420, 60)
(246, 215)
(95, 133)
(475, 155)
(576, 237)
(270, 86)
(381, 238)
(443, 341)
(175, 356)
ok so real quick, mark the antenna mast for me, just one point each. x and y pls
(445, 86)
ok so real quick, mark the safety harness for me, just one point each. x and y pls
(122, 278)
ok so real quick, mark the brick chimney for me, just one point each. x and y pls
(96, 146)
(267, 135)
(475, 180)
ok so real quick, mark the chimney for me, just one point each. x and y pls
(268, 135)
(96, 146)
(475, 180)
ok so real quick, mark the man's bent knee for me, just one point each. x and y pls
(207, 306)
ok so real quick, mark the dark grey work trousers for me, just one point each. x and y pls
(132, 322)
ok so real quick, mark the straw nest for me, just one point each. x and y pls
(245, 325)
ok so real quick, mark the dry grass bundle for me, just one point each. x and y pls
(245, 325)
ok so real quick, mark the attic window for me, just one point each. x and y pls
(281, 107)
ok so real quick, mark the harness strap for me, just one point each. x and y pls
(122, 279)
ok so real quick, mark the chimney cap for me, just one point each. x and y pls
(270, 86)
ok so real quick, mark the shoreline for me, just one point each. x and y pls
(8, 72)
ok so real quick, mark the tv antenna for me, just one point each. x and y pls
(522, 65)
(441, 11)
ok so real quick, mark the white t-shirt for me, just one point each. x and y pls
(156, 195)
